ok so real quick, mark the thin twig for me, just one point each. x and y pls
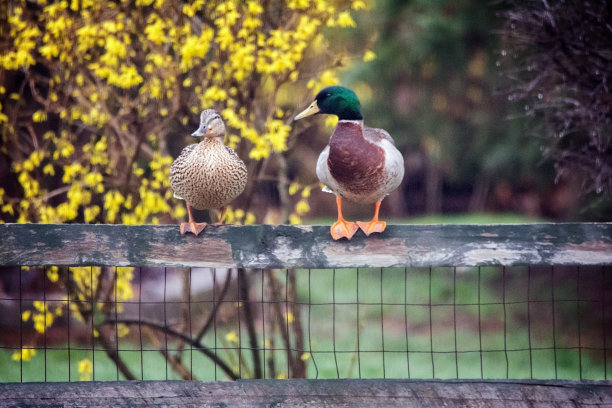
(298, 369)
(215, 309)
(248, 316)
(184, 310)
(275, 287)
(114, 355)
(102, 339)
(174, 361)
(195, 344)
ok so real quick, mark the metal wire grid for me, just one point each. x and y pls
(485, 322)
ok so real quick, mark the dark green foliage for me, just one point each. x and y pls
(561, 54)
(435, 89)
(480, 106)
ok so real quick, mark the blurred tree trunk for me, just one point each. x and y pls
(433, 185)
(478, 199)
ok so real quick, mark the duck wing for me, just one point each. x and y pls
(238, 170)
(393, 172)
(232, 153)
(375, 135)
(181, 159)
(178, 170)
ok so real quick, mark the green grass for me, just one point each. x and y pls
(459, 218)
(62, 365)
(431, 323)
(472, 218)
(57, 363)
(418, 344)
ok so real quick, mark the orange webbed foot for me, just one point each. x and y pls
(343, 229)
(193, 227)
(372, 226)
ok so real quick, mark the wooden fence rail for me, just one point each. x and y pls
(265, 246)
(283, 246)
(312, 393)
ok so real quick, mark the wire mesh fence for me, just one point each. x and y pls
(112, 323)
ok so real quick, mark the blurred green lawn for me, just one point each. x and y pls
(441, 341)
(465, 333)
(472, 218)
(459, 218)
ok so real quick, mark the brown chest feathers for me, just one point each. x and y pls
(208, 175)
(353, 161)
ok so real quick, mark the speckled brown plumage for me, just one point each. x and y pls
(208, 175)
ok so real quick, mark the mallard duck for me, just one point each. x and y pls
(207, 175)
(360, 164)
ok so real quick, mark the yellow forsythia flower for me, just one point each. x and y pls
(232, 337)
(53, 274)
(289, 317)
(25, 354)
(85, 368)
(369, 56)
(293, 188)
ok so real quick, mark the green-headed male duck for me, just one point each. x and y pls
(360, 164)
(207, 175)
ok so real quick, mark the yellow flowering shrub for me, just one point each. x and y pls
(97, 91)
(95, 294)
(97, 97)
(301, 206)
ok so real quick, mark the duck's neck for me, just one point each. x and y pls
(212, 140)
(351, 121)
(210, 143)
(347, 131)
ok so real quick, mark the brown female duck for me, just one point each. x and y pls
(207, 175)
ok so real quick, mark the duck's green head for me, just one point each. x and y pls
(335, 100)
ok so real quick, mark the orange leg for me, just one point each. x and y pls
(342, 228)
(192, 226)
(221, 216)
(374, 225)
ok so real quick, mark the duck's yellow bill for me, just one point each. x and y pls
(309, 111)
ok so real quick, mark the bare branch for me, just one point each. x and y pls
(194, 343)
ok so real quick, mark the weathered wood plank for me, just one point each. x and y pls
(312, 393)
(258, 246)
